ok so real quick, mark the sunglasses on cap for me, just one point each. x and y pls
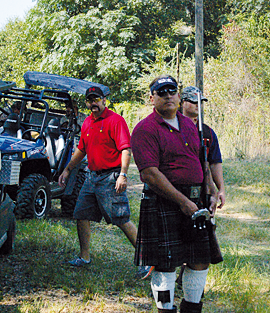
(93, 99)
(163, 92)
(193, 102)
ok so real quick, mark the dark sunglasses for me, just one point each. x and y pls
(163, 92)
(94, 99)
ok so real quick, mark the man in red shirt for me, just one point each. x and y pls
(105, 139)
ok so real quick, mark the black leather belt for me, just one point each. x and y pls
(108, 170)
(191, 192)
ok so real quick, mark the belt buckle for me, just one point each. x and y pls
(195, 192)
(142, 196)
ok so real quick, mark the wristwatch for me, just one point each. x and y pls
(123, 174)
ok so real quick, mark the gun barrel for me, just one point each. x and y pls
(200, 112)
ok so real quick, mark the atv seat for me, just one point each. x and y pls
(11, 126)
(55, 142)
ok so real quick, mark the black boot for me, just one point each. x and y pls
(190, 307)
(173, 310)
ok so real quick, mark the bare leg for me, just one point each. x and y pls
(198, 266)
(130, 231)
(84, 233)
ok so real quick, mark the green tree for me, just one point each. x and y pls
(109, 41)
(249, 6)
(19, 51)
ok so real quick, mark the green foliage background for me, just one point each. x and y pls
(125, 44)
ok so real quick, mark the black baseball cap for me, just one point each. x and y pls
(163, 81)
(94, 91)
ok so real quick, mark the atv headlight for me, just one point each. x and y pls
(13, 156)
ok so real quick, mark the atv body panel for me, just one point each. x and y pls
(7, 222)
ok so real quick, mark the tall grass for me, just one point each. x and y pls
(37, 278)
(236, 84)
(242, 282)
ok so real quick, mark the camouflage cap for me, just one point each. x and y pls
(191, 93)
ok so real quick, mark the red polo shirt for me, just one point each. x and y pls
(103, 140)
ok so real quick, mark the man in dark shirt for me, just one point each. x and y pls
(189, 106)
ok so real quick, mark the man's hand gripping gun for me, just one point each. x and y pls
(199, 218)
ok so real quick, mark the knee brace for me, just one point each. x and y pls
(163, 284)
(193, 284)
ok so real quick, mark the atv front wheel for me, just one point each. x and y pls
(34, 197)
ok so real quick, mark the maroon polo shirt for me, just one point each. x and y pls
(103, 140)
(175, 153)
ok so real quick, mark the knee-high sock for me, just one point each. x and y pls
(163, 284)
(193, 284)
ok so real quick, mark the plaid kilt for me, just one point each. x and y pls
(166, 237)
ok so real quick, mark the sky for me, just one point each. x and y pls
(9, 9)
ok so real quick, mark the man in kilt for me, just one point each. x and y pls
(166, 148)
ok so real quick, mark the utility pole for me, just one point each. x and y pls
(199, 44)
(177, 63)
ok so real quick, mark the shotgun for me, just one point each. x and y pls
(216, 255)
